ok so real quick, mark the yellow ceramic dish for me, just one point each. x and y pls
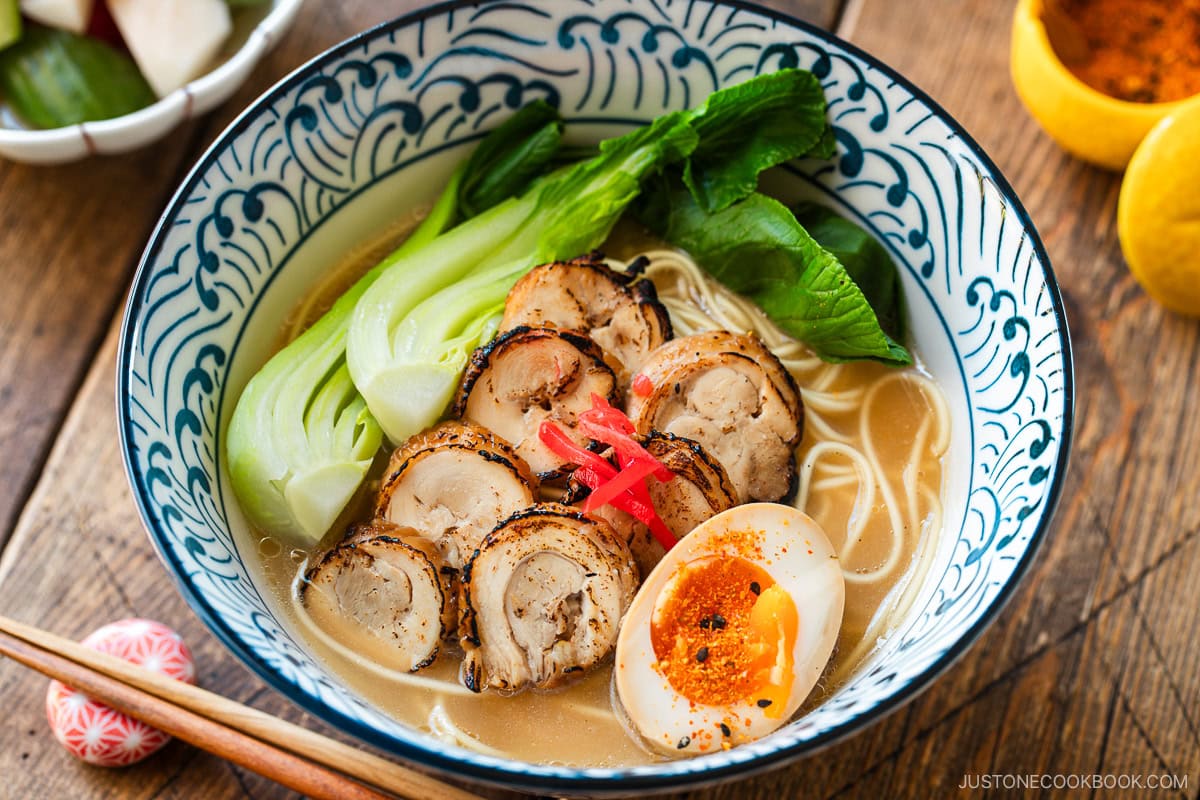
(1085, 122)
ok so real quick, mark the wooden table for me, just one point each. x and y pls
(1091, 668)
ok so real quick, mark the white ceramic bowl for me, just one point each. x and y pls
(255, 32)
(375, 126)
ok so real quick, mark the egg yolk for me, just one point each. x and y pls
(723, 632)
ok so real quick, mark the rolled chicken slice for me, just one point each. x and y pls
(381, 592)
(454, 483)
(700, 490)
(731, 395)
(619, 312)
(542, 599)
(527, 376)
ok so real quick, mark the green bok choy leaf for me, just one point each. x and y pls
(756, 247)
(866, 262)
(831, 286)
(751, 127)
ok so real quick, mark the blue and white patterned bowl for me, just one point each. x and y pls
(374, 126)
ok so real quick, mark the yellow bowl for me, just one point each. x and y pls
(1085, 122)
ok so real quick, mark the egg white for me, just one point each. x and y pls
(797, 554)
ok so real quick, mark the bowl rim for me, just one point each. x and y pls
(259, 40)
(580, 781)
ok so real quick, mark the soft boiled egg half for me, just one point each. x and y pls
(730, 632)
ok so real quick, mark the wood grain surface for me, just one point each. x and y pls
(1091, 669)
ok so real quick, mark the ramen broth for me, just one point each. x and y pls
(870, 473)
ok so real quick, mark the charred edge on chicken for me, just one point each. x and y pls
(482, 357)
(591, 362)
(596, 538)
(561, 294)
(516, 465)
(698, 467)
(541, 510)
(355, 545)
(681, 361)
(462, 434)
(638, 266)
(646, 295)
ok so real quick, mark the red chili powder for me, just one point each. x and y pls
(1143, 51)
(702, 636)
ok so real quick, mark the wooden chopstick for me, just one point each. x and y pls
(247, 723)
(267, 760)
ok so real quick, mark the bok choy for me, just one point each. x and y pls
(758, 248)
(414, 329)
(302, 438)
(832, 287)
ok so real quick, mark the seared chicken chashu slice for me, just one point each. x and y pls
(730, 394)
(699, 490)
(454, 483)
(619, 312)
(382, 593)
(543, 598)
(527, 376)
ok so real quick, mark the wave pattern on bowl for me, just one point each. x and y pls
(407, 91)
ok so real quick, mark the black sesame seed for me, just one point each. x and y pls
(684, 741)
(725, 730)
(702, 655)
(718, 622)
(705, 623)
(764, 703)
(754, 587)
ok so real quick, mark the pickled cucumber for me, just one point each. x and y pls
(52, 78)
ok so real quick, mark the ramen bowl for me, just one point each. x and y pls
(373, 128)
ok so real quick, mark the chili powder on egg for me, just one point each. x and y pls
(706, 663)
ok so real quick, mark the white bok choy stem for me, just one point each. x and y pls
(301, 438)
(436, 339)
